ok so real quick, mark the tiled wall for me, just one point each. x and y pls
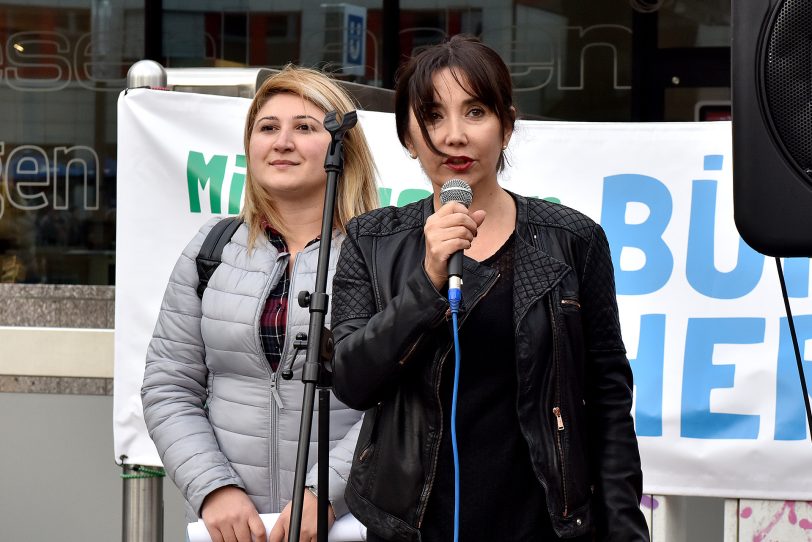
(53, 305)
(58, 306)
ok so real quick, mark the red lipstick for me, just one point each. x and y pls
(458, 164)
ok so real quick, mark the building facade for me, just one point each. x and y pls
(63, 64)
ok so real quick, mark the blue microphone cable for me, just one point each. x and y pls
(459, 191)
(454, 296)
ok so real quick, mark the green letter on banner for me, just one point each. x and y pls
(237, 185)
(199, 172)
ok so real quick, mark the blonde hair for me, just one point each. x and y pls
(357, 190)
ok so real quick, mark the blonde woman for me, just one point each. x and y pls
(226, 425)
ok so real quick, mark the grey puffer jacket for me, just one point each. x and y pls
(216, 411)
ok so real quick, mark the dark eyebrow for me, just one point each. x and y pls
(297, 117)
(473, 101)
(470, 101)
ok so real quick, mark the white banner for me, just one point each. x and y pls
(718, 405)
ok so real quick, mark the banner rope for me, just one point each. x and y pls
(144, 472)
(141, 471)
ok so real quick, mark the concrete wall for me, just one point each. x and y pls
(58, 476)
(58, 479)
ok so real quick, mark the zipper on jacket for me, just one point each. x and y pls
(373, 436)
(285, 344)
(273, 459)
(408, 354)
(413, 347)
(364, 454)
(275, 391)
(558, 419)
(435, 449)
(571, 302)
(276, 384)
(557, 409)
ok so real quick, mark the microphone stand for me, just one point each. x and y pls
(319, 345)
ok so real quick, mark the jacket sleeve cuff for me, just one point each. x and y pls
(200, 489)
(335, 493)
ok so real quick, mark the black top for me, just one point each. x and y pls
(500, 496)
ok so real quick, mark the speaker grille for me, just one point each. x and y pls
(788, 79)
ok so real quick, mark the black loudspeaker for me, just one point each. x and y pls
(772, 124)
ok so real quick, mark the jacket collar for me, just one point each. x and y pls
(535, 272)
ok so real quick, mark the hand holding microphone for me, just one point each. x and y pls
(449, 231)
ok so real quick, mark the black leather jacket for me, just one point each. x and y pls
(392, 337)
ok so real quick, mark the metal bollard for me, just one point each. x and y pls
(146, 73)
(143, 504)
(143, 499)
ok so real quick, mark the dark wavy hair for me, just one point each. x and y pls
(478, 69)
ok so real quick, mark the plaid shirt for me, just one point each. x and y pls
(274, 320)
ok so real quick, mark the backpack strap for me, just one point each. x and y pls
(211, 251)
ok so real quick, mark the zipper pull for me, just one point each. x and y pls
(559, 420)
(275, 394)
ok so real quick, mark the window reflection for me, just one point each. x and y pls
(694, 23)
(62, 68)
(62, 71)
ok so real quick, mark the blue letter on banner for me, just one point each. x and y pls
(648, 376)
(700, 269)
(790, 414)
(618, 192)
(700, 376)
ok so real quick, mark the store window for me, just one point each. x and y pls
(569, 60)
(63, 65)
(693, 44)
(218, 38)
(61, 70)
(694, 23)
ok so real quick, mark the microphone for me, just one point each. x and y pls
(455, 190)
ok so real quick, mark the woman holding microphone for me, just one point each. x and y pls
(532, 438)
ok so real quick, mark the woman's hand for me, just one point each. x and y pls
(307, 533)
(452, 228)
(230, 516)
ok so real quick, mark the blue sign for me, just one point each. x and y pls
(355, 40)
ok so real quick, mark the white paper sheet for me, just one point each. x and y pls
(346, 529)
